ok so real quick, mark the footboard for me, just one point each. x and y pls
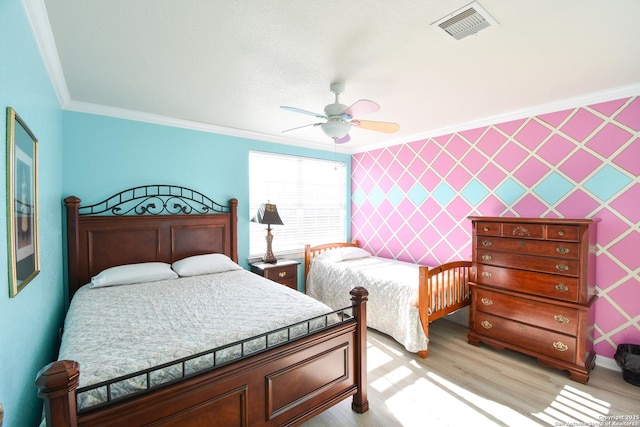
(442, 290)
(281, 386)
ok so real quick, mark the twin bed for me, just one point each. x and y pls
(403, 297)
(165, 328)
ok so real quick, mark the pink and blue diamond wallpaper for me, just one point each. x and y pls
(411, 201)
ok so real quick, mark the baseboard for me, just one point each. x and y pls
(607, 362)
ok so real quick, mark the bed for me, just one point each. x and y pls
(281, 373)
(403, 297)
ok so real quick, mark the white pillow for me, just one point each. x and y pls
(133, 273)
(342, 254)
(204, 264)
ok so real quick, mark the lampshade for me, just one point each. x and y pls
(267, 214)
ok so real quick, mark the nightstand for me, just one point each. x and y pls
(285, 272)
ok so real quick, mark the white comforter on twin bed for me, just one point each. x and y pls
(113, 331)
(392, 286)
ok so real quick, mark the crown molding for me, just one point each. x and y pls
(120, 113)
(37, 16)
(563, 104)
(579, 101)
(38, 19)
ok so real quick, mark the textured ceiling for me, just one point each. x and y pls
(227, 66)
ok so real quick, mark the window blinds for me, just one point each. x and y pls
(311, 197)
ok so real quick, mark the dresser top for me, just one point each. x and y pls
(536, 220)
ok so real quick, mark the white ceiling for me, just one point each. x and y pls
(226, 66)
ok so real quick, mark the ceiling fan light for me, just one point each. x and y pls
(336, 128)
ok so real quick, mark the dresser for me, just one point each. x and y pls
(284, 271)
(534, 289)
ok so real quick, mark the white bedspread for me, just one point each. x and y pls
(118, 330)
(392, 286)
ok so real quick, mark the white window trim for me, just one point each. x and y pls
(301, 188)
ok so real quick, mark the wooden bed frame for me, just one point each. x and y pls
(454, 275)
(284, 385)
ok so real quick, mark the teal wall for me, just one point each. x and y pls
(90, 157)
(30, 321)
(104, 155)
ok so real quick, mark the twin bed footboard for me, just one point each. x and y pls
(281, 386)
(441, 290)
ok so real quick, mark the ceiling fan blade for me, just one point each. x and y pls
(342, 140)
(385, 127)
(360, 108)
(309, 113)
(300, 128)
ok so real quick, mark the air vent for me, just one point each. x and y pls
(466, 21)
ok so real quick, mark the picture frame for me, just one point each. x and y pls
(22, 203)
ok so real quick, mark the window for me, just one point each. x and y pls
(311, 197)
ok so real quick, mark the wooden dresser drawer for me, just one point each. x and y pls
(527, 231)
(282, 274)
(488, 228)
(531, 247)
(563, 288)
(543, 315)
(567, 233)
(565, 267)
(542, 341)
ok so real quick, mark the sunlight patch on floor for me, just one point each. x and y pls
(586, 399)
(415, 405)
(388, 348)
(574, 407)
(487, 412)
(376, 358)
(439, 402)
(390, 380)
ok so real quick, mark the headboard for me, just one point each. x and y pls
(143, 224)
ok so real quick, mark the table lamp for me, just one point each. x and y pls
(268, 214)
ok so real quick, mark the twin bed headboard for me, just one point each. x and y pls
(149, 223)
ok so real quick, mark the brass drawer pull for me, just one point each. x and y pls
(282, 274)
(486, 243)
(486, 229)
(486, 257)
(560, 346)
(561, 319)
(486, 274)
(562, 287)
(562, 250)
(561, 233)
(486, 324)
(487, 301)
(562, 267)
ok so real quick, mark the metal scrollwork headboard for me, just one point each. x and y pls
(155, 200)
(150, 223)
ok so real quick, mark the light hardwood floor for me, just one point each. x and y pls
(463, 385)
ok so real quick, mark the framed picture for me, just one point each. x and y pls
(22, 207)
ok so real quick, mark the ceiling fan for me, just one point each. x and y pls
(340, 118)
